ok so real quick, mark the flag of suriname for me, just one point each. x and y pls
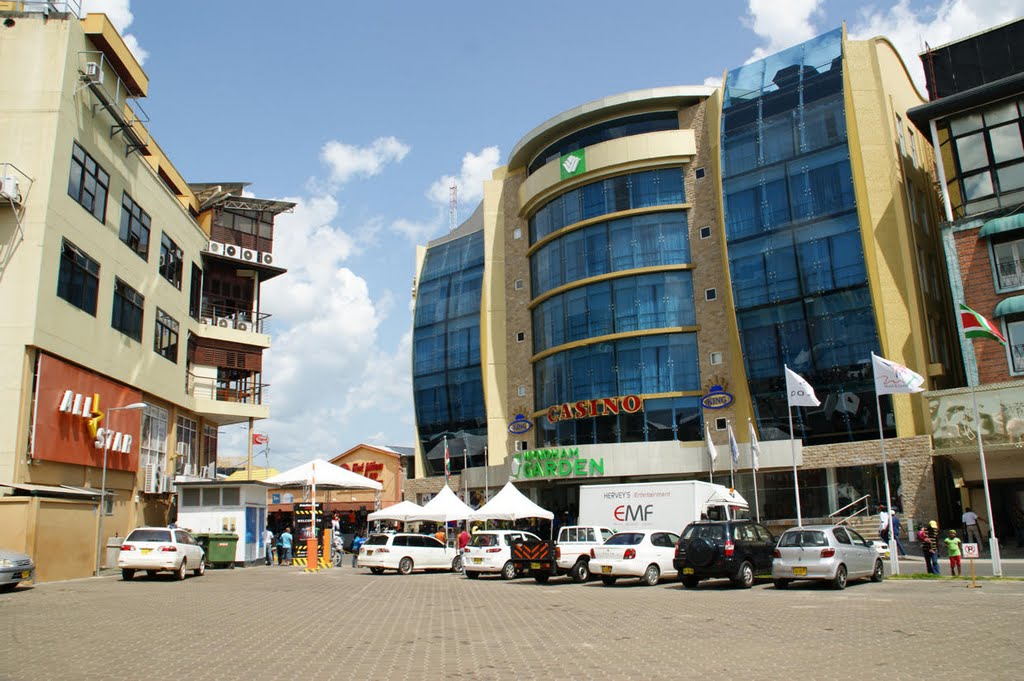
(976, 326)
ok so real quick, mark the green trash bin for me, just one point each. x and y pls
(220, 551)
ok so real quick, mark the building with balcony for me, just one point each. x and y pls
(651, 260)
(975, 120)
(120, 285)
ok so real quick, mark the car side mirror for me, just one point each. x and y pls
(869, 542)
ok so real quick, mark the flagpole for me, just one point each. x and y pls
(893, 544)
(993, 543)
(732, 474)
(792, 446)
(753, 470)
(711, 459)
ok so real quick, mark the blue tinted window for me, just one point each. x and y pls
(623, 192)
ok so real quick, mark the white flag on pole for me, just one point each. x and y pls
(799, 392)
(707, 441)
(755, 448)
(891, 377)
(734, 448)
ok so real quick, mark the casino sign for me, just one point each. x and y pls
(604, 406)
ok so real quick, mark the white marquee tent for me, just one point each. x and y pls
(401, 511)
(444, 507)
(510, 504)
(323, 474)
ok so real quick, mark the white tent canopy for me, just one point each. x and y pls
(400, 511)
(444, 507)
(324, 475)
(510, 504)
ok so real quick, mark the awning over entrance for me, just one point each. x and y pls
(66, 491)
(1008, 306)
(1008, 223)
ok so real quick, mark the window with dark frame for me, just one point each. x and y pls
(165, 338)
(88, 183)
(78, 279)
(128, 305)
(195, 297)
(988, 149)
(134, 230)
(170, 260)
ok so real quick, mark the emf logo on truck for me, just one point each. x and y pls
(627, 512)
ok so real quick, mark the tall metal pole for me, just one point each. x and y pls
(993, 543)
(893, 546)
(753, 470)
(796, 481)
(101, 509)
(249, 467)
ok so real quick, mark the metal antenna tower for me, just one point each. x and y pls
(453, 207)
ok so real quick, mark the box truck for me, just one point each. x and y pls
(658, 505)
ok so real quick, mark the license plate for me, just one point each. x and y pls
(477, 561)
(800, 571)
(535, 566)
(25, 574)
(687, 571)
(145, 551)
(369, 552)
(606, 569)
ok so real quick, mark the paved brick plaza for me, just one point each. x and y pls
(278, 623)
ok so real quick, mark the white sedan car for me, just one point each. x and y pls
(407, 552)
(160, 549)
(646, 554)
(491, 551)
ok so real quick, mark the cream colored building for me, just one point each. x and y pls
(120, 284)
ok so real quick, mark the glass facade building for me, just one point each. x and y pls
(794, 243)
(447, 378)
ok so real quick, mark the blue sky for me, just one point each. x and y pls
(365, 113)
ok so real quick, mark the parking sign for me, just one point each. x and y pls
(971, 551)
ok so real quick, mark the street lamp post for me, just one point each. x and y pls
(101, 508)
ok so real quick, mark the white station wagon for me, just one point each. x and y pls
(407, 552)
(160, 549)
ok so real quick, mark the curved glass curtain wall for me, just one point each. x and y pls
(649, 301)
(602, 132)
(447, 378)
(795, 253)
(636, 190)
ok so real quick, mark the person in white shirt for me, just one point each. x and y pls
(883, 524)
(268, 540)
(972, 531)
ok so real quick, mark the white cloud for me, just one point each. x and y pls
(476, 169)
(120, 15)
(781, 24)
(950, 20)
(416, 232)
(713, 81)
(347, 162)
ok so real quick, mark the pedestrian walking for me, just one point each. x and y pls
(357, 543)
(932, 534)
(971, 529)
(896, 530)
(463, 543)
(286, 546)
(953, 546)
(883, 524)
(268, 541)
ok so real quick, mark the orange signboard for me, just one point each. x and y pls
(68, 398)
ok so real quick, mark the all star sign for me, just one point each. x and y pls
(572, 164)
(89, 409)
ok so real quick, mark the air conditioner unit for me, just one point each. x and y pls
(206, 320)
(93, 72)
(231, 250)
(9, 188)
(224, 322)
(266, 258)
(166, 484)
(242, 326)
(215, 248)
(249, 255)
(150, 482)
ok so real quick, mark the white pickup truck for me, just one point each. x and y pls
(569, 555)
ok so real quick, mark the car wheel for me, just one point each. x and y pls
(180, 574)
(8, 588)
(472, 574)
(377, 570)
(690, 581)
(744, 576)
(508, 570)
(580, 572)
(457, 564)
(541, 577)
(839, 581)
(781, 583)
(879, 573)
(405, 566)
(651, 575)
(127, 574)
(608, 581)
(201, 570)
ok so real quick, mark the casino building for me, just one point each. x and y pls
(645, 265)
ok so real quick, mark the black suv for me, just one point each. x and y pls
(737, 549)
